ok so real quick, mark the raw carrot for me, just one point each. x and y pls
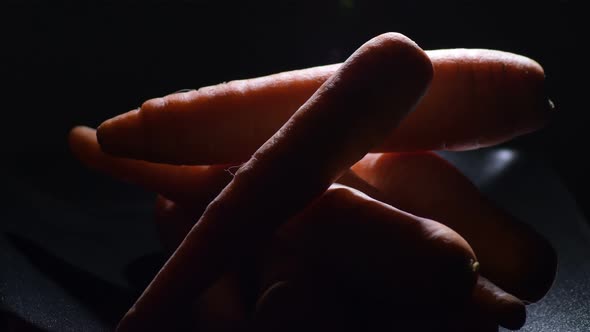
(512, 254)
(362, 249)
(505, 309)
(287, 248)
(191, 186)
(348, 115)
(477, 98)
(432, 188)
(187, 185)
(359, 258)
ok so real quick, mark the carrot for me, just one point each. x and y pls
(191, 186)
(512, 254)
(504, 308)
(374, 251)
(187, 185)
(477, 98)
(284, 263)
(348, 115)
(354, 254)
(432, 188)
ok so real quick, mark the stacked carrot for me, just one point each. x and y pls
(374, 237)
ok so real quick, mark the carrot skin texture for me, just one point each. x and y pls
(218, 124)
(498, 95)
(477, 98)
(185, 185)
(335, 126)
(524, 264)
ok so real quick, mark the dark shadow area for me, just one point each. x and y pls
(10, 322)
(141, 271)
(107, 301)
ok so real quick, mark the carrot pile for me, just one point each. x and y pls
(403, 226)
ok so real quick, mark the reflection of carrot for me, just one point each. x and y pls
(347, 116)
(477, 98)
(512, 254)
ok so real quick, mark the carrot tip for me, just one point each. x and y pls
(122, 135)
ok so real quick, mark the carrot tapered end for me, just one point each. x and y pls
(123, 135)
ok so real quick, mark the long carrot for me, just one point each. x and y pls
(187, 185)
(512, 254)
(477, 98)
(348, 115)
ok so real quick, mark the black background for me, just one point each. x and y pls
(81, 62)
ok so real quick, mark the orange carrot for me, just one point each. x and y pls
(358, 258)
(192, 186)
(348, 115)
(477, 98)
(288, 250)
(187, 185)
(512, 254)
(504, 308)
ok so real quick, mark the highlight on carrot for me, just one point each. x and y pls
(477, 98)
(512, 254)
(347, 116)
